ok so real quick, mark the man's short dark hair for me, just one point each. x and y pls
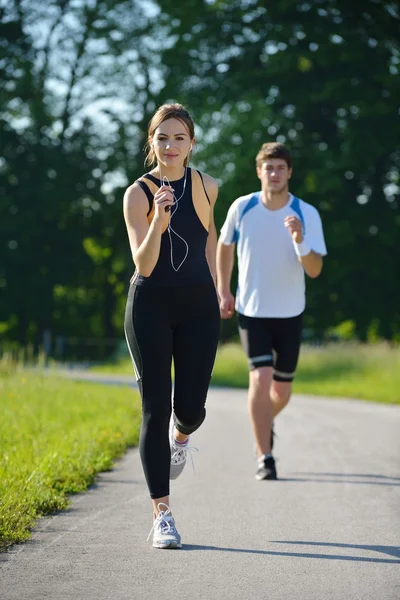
(273, 150)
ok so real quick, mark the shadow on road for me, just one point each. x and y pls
(374, 476)
(389, 550)
(353, 478)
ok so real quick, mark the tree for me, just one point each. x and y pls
(76, 90)
(323, 78)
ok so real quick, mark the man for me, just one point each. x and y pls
(279, 237)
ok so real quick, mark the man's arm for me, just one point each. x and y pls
(310, 260)
(312, 263)
(225, 262)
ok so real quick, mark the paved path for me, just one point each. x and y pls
(329, 529)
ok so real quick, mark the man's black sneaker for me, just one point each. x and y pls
(266, 468)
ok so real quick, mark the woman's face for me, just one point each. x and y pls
(172, 143)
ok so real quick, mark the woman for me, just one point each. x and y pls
(172, 310)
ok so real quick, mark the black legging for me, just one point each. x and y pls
(161, 323)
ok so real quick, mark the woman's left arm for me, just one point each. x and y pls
(211, 247)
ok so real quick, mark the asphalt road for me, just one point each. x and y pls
(329, 529)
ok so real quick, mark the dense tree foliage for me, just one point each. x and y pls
(79, 82)
(322, 77)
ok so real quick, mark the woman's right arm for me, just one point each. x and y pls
(145, 239)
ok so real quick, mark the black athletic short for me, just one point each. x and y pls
(270, 342)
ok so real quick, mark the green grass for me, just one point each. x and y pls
(368, 372)
(55, 435)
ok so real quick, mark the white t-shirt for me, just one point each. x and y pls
(271, 279)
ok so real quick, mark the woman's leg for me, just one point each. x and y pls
(194, 349)
(149, 337)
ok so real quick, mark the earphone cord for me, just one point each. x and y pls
(176, 269)
(165, 181)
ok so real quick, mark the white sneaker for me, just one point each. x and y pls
(165, 535)
(178, 452)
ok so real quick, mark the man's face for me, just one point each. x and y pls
(274, 175)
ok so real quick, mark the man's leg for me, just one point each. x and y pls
(261, 408)
(286, 343)
(256, 338)
(280, 393)
(261, 415)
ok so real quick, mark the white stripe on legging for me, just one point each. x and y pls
(133, 360)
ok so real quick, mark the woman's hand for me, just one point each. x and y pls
(163, 200)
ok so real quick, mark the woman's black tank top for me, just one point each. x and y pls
(189, 220)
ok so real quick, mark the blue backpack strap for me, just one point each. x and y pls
(251, 202)
(296, 207)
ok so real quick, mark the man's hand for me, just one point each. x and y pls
(295, 228)
(226, 305)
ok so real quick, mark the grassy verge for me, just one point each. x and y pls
(54, 437)
(352, 371)
(368, 372)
